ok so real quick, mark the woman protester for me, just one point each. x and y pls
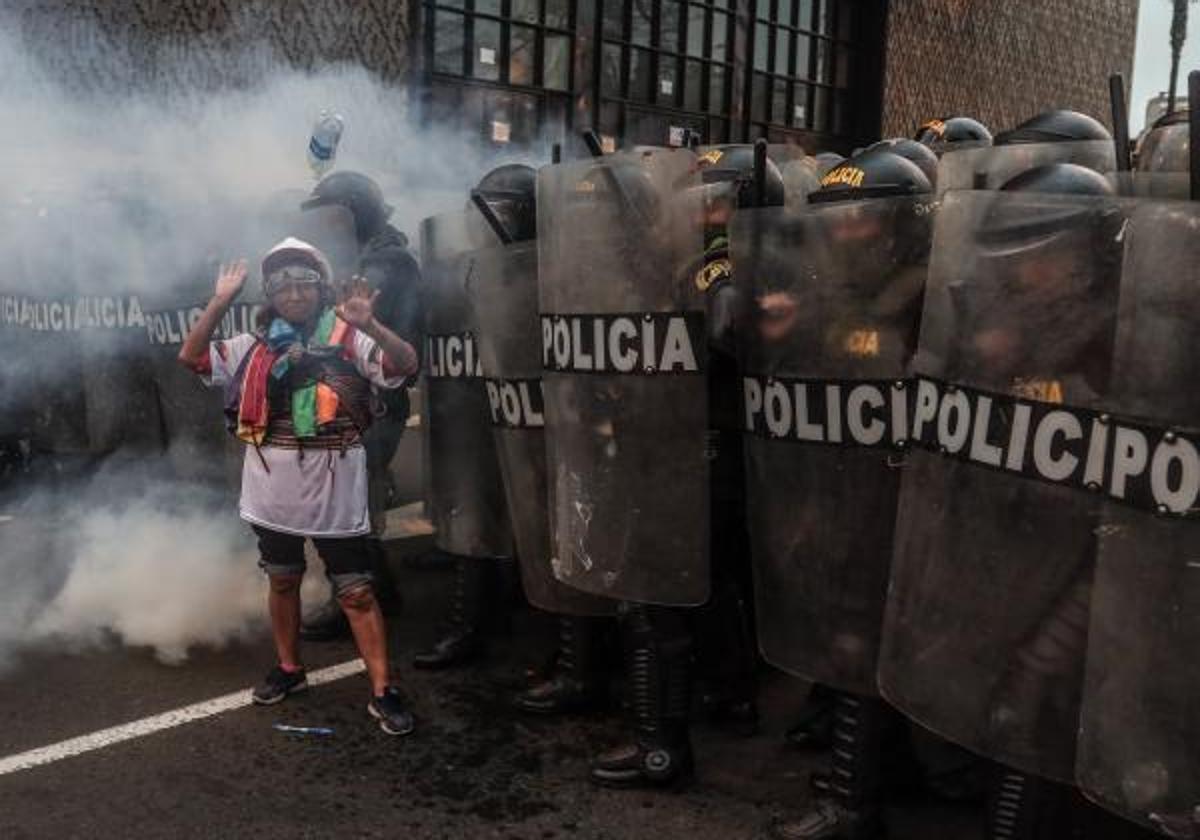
(299, 391)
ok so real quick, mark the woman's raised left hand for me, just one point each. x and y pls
(357, 303)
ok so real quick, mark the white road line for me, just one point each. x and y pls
(157, 723)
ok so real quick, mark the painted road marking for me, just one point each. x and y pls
(148, 726)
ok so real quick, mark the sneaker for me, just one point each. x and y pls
(393, 716)
(278, 684)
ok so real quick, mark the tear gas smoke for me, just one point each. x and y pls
(114, 211)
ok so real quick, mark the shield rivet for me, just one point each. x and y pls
(951, 389)
(943, 450)
(1169, 436)
(1162, 510)
(1094, 486)
(649, 368)
(647, 317)
(898, 384)
(1104, 418)
(901, 444)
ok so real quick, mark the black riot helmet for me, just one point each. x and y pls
(827, 161)
(734, 165)
(1165, 147)
(953, 131)
(1054, 127)
(510, 191)
(1059, 179)
(1006, 225)
(876, 173)
(913, 151)
(358, 194)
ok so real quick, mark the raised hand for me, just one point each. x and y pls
(230, 280)
(357, 306)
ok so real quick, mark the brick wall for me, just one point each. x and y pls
(172, 45)
(1003, 61)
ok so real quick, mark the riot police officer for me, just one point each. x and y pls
(385, 262)
(844, 305)
(503, 317)
(659, 640)
(1003, 677)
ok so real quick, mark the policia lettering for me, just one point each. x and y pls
(1131, 462)
(638, 343)
(166, 327)
(854, 413)
(516, 403)
(453, 356)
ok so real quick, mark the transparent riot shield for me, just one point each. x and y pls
(41, 368)
(834, 308)
(986, 624)
(624, 353)
(1140, 733)
(989, 167)
(502, 294)
(465, 493)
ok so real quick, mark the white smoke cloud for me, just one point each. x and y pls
(143, 192)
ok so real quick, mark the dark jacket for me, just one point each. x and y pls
(387, 265)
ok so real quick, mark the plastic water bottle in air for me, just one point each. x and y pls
(322, 146)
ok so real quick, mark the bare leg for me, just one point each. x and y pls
(366, 623)
(283, 602)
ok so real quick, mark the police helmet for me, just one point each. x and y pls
(950, 131)
(734, 164)
(358, 194)
(913, 151)
(511, 192)
(1165, 147)
(1057, 126)
(1059, 179)
(875, 173)
(1025, 229)
(827, 161)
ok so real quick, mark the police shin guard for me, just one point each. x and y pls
(575, 684)
(853, 808)
(462, 642)
(1024, 807)
(658, 668)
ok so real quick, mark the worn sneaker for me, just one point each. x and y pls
(278, 684)
(391, 712)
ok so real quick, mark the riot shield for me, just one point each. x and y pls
(989, 167)
(41, 368)
(835, 303)
(624, 355)
(1140, 734)
(504, 318)
(986, 623)
(465, 493)
(103, 252)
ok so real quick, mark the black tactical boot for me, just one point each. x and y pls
(658, 655)
(574, 684)
(852, 809)
(463, 640)
(1025, 807)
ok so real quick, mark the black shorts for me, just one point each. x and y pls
(347, 559)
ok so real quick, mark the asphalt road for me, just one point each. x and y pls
(474, 768)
